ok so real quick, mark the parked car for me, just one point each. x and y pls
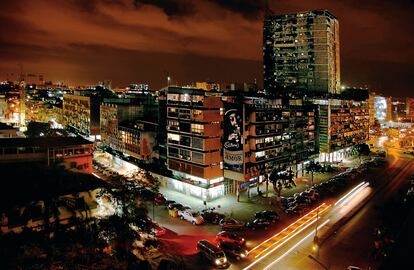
(234, 250)
(213, 254)
(230, 224)
(191, 216)
(212, 216)
(150, 226)
(183, 208)
(258, 223)
(269, 215)
(174, 205)
(147, 194)
(230, 237)
(168, 202)
(157, 230)
(159, 199)
(294, 210)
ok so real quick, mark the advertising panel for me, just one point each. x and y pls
(380, 104)
(233, 140)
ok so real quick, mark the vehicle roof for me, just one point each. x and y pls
(210, 245)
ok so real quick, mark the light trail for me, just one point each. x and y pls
(296, 245)
(355, 193)
(94, 174)
(262, 250)
(348, 194)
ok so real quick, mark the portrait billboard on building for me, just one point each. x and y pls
(233, 139)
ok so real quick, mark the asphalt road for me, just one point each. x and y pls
(353, 242)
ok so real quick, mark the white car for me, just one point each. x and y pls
(191, 216)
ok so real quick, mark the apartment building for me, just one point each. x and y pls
(274, 133)
(301, 52)
(194, 131)
(342, 125)
(81, 114)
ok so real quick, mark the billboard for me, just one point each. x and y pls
(380, 104)
(233, 140)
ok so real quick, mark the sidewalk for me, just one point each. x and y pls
(228, 205)
(246, 207)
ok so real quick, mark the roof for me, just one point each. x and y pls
(305, 13)
(44, 142)
(27, 182)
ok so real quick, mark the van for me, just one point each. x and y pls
(213, 254)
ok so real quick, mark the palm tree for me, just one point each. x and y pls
(280, 179)
(313, 167)
(362, 150)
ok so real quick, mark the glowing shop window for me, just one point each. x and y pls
(260, 154)
(173, 137)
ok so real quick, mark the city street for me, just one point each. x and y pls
(241, 135)
(289, 242)
(339, 251)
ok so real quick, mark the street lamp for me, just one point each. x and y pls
(315, 246)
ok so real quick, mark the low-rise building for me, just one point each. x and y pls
(138, 139)
(74, 153)
(50, 195)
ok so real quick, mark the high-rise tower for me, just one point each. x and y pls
(301, 52)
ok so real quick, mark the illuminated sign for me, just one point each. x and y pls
(380, 104)
(233, 140)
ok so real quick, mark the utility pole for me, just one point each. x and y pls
(153, 211)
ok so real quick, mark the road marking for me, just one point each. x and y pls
(346, 195)
(295, 246)
(356, 192)
(286, 234)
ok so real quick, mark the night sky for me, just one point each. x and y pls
(126, 41)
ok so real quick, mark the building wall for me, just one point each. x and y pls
(111, 115)
(76, 158)
(342, 124)
(399, 107)
(77, 113)
(301, 51)
(371, 106)
(194, 132)
(139, 141)
(73, 158)
(278, 134)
